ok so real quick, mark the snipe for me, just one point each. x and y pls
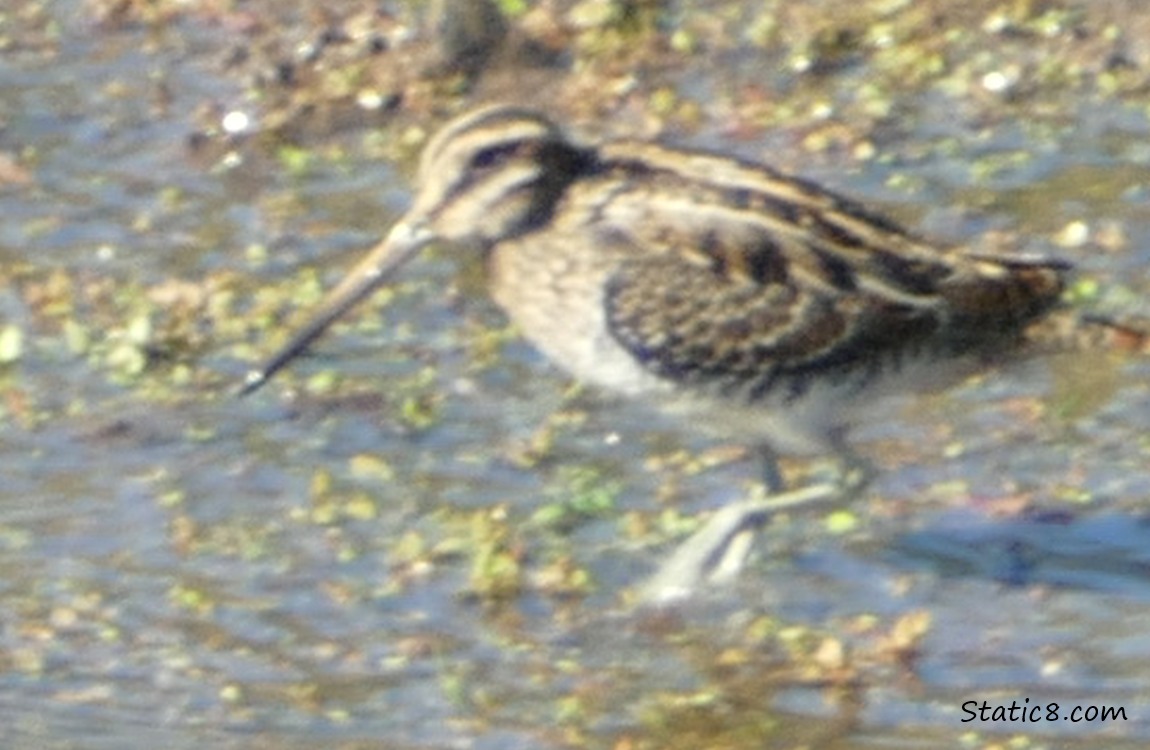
(723, 289)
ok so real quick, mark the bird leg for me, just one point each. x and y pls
(718, 551)
(769, 464)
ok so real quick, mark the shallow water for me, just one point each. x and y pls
(295, 572)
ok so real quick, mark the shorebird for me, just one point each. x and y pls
(726, 290)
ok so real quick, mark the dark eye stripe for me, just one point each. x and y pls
(488, 157)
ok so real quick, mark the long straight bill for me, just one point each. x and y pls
(403, 241)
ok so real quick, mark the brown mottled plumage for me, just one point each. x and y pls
(719, 287)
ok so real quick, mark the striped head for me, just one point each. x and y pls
(494, 173)
(489, 175)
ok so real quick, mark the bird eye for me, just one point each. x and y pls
(492, 155)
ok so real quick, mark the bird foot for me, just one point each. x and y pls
(717, 552)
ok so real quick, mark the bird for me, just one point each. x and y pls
(722, 289)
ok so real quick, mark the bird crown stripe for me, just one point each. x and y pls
(504, 134)
(464, 146)
(484, 132)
